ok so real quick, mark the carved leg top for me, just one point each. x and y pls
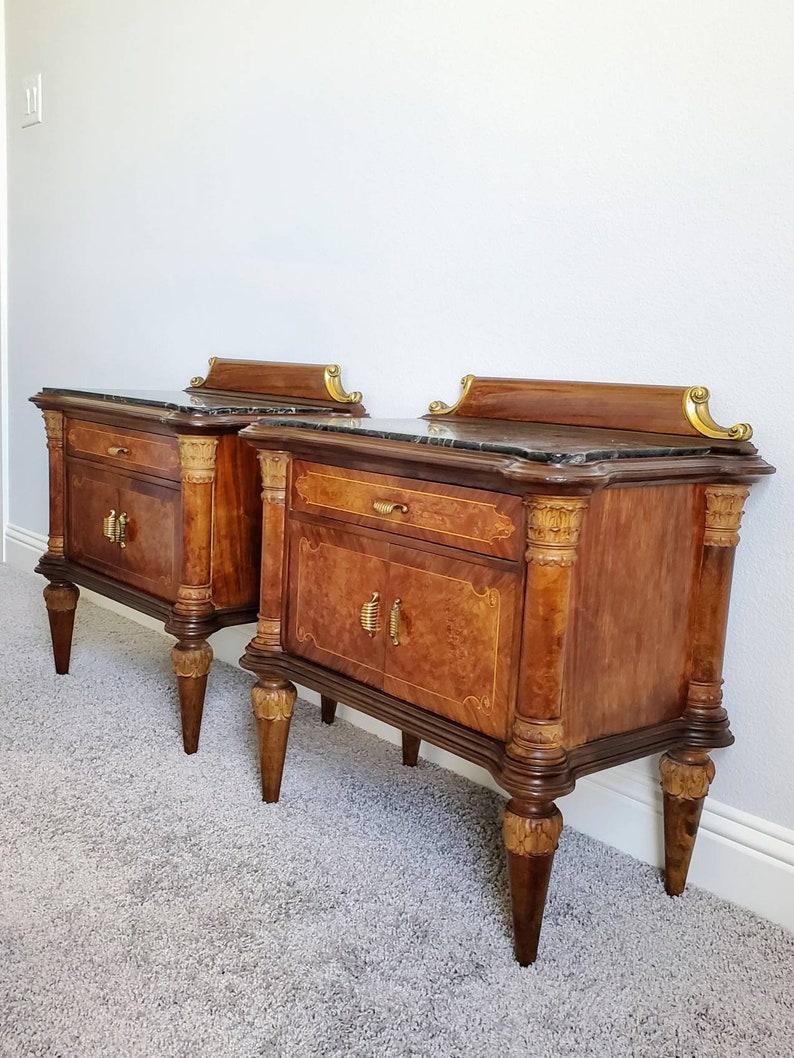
(273, 701)
(192, 659)
(532, 835)
(687, 774)
(61, 596)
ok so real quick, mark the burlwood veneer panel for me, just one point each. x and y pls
(456, 638)
(150, 559)
(632, 610)
(472, 519)
(151, 453)
(237, 528)
(332, 573)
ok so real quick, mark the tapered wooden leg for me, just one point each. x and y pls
(327, 709)
(686, 776)
(192, 665)
(272, 702)
(411, 746)
(531, 835)
(61, 602)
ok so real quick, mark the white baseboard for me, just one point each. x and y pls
(738, 856)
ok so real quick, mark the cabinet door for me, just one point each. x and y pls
(454, 638)
(332, 575)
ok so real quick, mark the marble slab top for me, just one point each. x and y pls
(538, 442)
(192, 403)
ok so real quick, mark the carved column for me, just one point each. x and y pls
(687, 771)
(60, 595)
(553, 527)
(274, 467)
(192, 654)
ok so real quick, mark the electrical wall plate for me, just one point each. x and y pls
(31, 101)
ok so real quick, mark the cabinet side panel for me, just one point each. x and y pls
(634, 588)
(237, 526)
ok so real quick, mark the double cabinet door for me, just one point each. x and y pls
(436, 631)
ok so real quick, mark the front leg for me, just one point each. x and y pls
(686, 776)
(531, 834)
(61, 603)
(191, 660)
(272, 701)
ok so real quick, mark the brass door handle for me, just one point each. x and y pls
(394, 622)
(370, 615)
(114, 528)
(388, 507)
(117, 450)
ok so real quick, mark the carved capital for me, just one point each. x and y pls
(724, 509)
(197, 458)
(533, 738)
(53, 427)
(268, 633)
(193, 661)
(55, 545)
(688, 781)
(194, 600)
(273, 703)
(273, 466)
(553, 527)
(532, 835)
(58, 597)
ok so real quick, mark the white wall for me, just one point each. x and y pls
(418, 189)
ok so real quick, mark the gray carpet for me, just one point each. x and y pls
(151, 906)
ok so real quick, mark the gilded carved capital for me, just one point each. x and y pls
(688, 781)
(273, 466)
(273, 703)
(553, 527)
(193, 661)
(53, 427)
(532, 835)
(724, 509)
(197, 458)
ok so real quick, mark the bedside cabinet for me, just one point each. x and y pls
(536, 579)
(154, 502)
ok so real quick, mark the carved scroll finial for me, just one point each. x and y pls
(333, 384)
(438, 407)
(724, 509)
(197, 458)
(553, 528)
(696, 409)
(198, 380)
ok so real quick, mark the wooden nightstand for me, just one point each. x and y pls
(154, 502)
(536, 579)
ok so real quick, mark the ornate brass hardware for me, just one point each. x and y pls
(332, 376)
(696, 409)
(439, 407)
(114, 528)
(388, 507)
(394, 622)
(370, 615)
(118, 450)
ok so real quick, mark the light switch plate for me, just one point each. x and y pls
(31, 101)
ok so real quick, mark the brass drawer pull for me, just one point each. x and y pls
(394, 622)
(388, 507)
(114, 528)
(370, 615)
(117, 450)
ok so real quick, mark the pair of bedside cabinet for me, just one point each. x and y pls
(536, 578)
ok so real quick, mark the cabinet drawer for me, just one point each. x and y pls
(442, 632)
(486, 522)
(156, 454)
(150, 558)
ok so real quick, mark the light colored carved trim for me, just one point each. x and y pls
(273, 466)
(59, 597)
(332, 376)
(273, 703)
(55, 545)
(553, 527)
(197, 458)
(689, 782)
(704, 694)
(192, 661)
(268, 633)
(194, 600)
(53, 427)
(528, 736)
(724, 509)
(532, 835)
